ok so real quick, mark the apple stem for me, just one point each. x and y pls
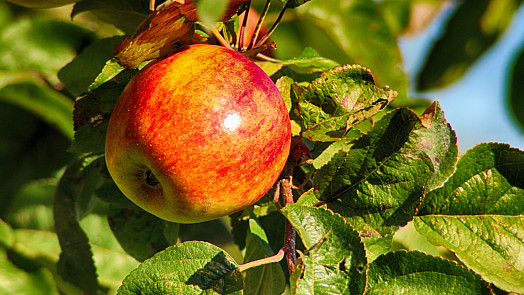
(254, 37)
(276, 197)
(271, 259)
(273, 28)
(242, 31)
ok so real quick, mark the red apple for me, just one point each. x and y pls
(198, 135)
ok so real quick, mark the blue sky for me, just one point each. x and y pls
(475, 105)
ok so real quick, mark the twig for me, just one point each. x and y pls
(273, 28)
(290, 235)
(276, 197)
(254, 37)
(271, 259)
(289, 245)
(242, 32)
(284, 187)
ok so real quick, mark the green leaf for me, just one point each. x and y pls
(112, 267)
(378, 184)
(90, 138)
(189, 268)
(79, 74)
(284, 86)
(25, 151)
(270, 68)
(307, 199)
(515, 90)
(486, 185)
(49, 105)
(110, 70)
(408, 238)
(271, 220)
(342, 145)
(375, 247)
(396, 13)
(488, 180)
(348, 25)
(6, 235)
(335, 259)
(124, 14)
(30, 267)
(417, 273)
(339, 99)
(139, 233)
(41, 250)
(111, 194)
(32, 205)
(74, 190)
(97, 228)
(265, 279)
(41, 45)
(309, 58)
(92, 110)
(437, 140)
(14, 280)
(490, 245)
(472, 29)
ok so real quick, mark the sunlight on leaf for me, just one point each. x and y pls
(338, 100)
(491, 245)
(379, 182)
(335, 260)
(192, 267)
(488, 180)
(417, 273)
(76, 186)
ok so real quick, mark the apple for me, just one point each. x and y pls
(42, 3)
(198, 135)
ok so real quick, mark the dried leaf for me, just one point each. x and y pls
(172, 24)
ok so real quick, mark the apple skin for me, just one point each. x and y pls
(210, 126)
(42, 3)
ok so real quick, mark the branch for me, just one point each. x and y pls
(254, 37)
(243, 28)
(271, 259)
(273, 28)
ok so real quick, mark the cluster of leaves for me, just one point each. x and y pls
(376, 167)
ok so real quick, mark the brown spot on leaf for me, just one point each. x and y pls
(428, 116)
